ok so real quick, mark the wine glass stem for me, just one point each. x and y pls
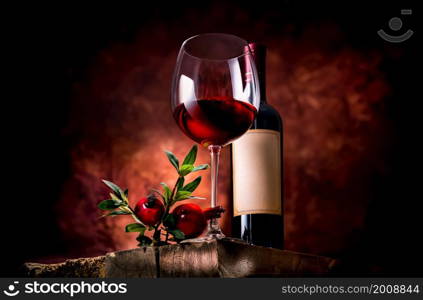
(214, 153)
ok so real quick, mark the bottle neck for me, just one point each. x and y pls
(259, 55)
(262, 83)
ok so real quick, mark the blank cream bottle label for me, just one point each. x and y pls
(257, 173)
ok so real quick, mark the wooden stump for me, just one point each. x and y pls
(223, 258)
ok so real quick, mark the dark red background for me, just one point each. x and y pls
(94, 103)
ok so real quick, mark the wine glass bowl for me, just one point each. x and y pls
(215, 96)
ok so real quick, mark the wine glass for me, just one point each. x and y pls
(215, 97)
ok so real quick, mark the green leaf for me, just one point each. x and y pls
(169, 221)
(135, 227)
(191, 156)
(144, 240)
(117, 213)
(200, 167)
(173, 160)
(167, 191)
(108, 204)
(182, 195)
(185, 170)
(190, 187)
(115, 198)
(180, 183)
(119, 198)
(117, 190)
(179, 235)
(125, 195)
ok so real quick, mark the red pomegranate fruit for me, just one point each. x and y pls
(192, 220)
(149, 210)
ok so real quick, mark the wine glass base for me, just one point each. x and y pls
(212, 235)
(211, 238)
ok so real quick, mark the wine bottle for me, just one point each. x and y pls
(257, 172)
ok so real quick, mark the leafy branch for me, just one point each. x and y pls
(118, 203)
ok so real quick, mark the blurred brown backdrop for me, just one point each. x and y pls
(338, 87)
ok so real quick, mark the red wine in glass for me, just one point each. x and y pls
(214, 121)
